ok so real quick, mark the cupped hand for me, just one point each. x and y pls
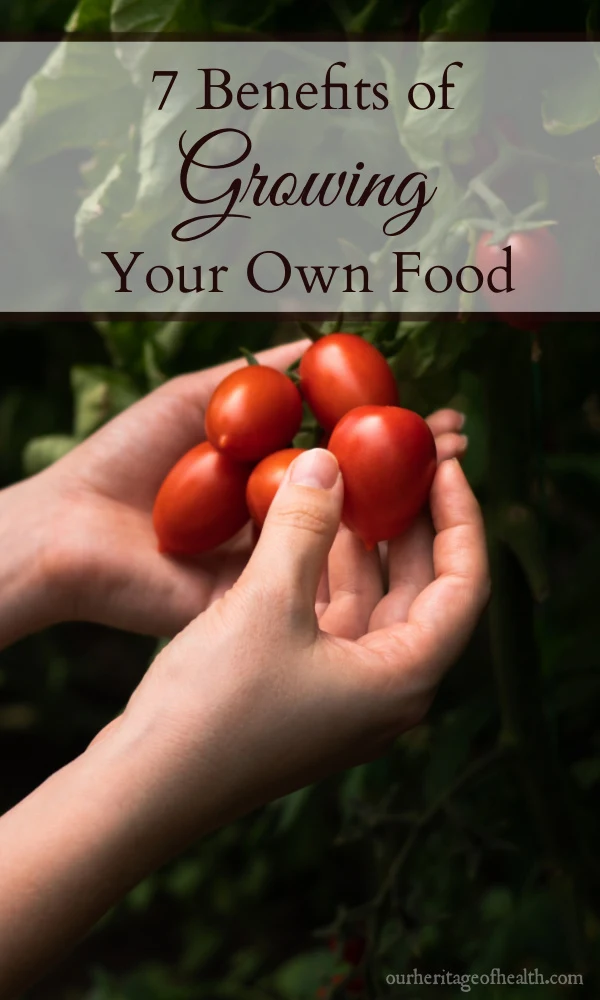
(268, 693)
(101, 553)
(103, 550)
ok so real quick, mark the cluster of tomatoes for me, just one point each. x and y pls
(386, 454)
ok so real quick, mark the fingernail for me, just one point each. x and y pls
(464, 442)
(317, 468)
(463, 418)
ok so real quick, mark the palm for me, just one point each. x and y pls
(110, 483)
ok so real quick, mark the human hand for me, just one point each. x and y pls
(277, 684)
(88, 548)
(88, 526)
(271, 688)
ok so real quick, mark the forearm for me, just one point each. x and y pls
(69, 851)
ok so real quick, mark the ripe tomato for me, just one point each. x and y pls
(353, 986)
(201, 503)
(352, 949)
(536, 276)
(254, 411)
(265, 480)
(342, 371)
(387, 458)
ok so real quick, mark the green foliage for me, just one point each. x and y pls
(471, 843)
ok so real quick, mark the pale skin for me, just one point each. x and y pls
(292, 659)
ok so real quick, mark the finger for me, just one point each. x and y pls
(445, 422)
(298, 533)
(355, 586)
(451, 446)
(199, 386)
(410, 568)
(322, 598)
(442, 617)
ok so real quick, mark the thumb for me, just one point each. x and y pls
(300, 527)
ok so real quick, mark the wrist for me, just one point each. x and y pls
(29, 577)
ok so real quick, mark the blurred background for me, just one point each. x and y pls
(473, 844)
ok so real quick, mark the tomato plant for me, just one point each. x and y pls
(342, 371)
(536, 275)
(470, 813)
(387, 458)
(201, 503)
(266, 479)
(254, 411)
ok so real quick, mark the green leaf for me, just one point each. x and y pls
(428, 347)
(463, 17)
(100, 393)
(424, 134)
(65, 106)
(301, 977)
(103, 208)
(169, 338)
(497, 904)
(41, 452)
(90, 16)
(573, 103)
(290, 807)
(125, 341)
(142, 16)
(184, 880)
(140, 898)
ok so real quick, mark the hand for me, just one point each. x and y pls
(87, 546)
(270, 694)
(80, 533)
(250, 701)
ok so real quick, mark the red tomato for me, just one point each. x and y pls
(353, 987)
(353, 948)
(387, 458)
(254, 411)
(536, 276)
(201, 503)
(342, 371)
(265, 480)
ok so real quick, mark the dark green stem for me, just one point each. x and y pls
(515, 656)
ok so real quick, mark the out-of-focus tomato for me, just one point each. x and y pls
(342, 371)
(254, 411)
(353, 987)
(387, 458)
(201, 503)
(266, 479)
(536, 275)
(352, 948)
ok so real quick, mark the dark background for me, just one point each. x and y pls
(487, 813)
